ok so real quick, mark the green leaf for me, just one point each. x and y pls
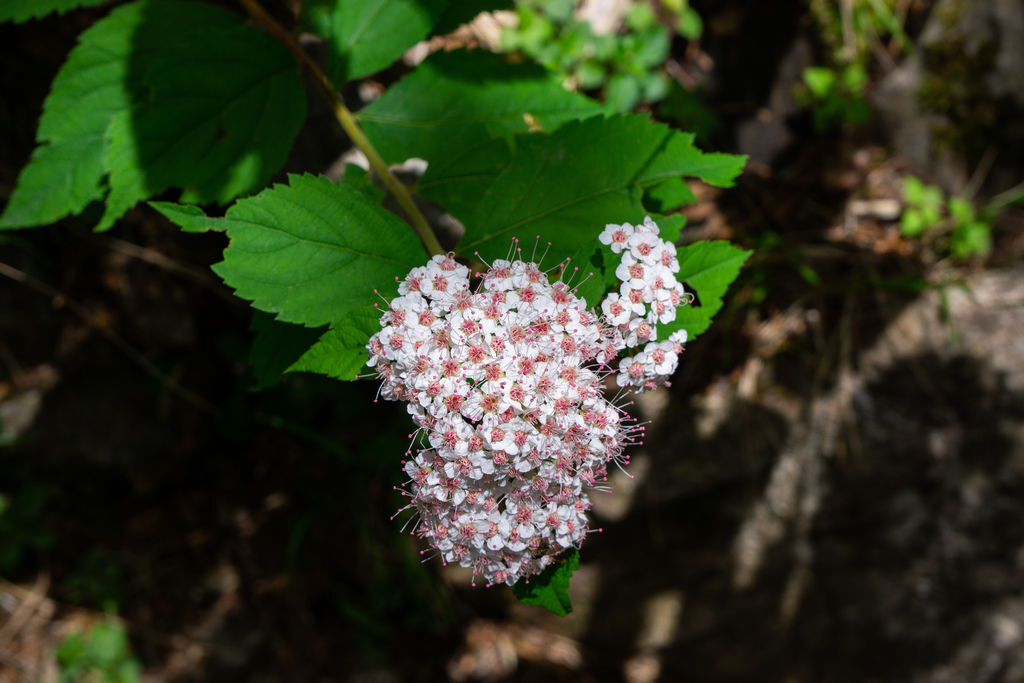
(559, 10)
(961, 210)
(188, 217)
(23, 10)
(66, 170)
(550, 588)
(590, 260)
(820, 80)
(590, 74)
(653, 86)
(313, 251)
(690, 26)
(341, 351)
(653, 47)
(854, 79)
(622, 93)
(641, 17)
(358, 178)
(670, 227)
(150, 76)
(368, 35)
(969, 239)
(931, 199)
(108, 643)
(218, 119)
(912, 223)
(275, 347)
(454, 102)
(667, 195)
(60, 178)
(709, 268)
(913, 190)
(567, 185)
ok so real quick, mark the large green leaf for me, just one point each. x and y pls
(23, 10)
(67, 169)
(550, 588)
(709, 268)
(219, 120)
(311, 251)
(160, 93)
(567, 185)
(456, 101)
(341, 351)
(367, 35)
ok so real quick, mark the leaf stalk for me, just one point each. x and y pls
(348, 122)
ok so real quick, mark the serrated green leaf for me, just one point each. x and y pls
(341, 352)
(60, 179)
(220, 114)
(313, 251)
(454, 102)
(101, 103)
(358, 178)
(275, 347)
(709, 268)
(550, 588)
(94, 84)
(368, 35)
(23, 10)
(667, 195)
(567, 185)
(670, 228)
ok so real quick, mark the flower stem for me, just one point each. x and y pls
(349, 124)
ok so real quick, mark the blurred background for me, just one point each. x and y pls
(832, 489)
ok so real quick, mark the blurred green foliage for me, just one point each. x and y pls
(835, 91)
(954, 222)
(625, 67)
(836, 96)
(101, 654)
(851, 30)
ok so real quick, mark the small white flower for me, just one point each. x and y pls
(616, 236)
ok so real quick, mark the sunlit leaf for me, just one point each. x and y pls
(313, 251)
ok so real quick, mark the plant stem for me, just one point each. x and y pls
(349, 124)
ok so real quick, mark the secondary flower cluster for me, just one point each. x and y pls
(505, 382)
(649, 294)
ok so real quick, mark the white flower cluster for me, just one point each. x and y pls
(505, 384)
(649, 295)
(502, 383)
